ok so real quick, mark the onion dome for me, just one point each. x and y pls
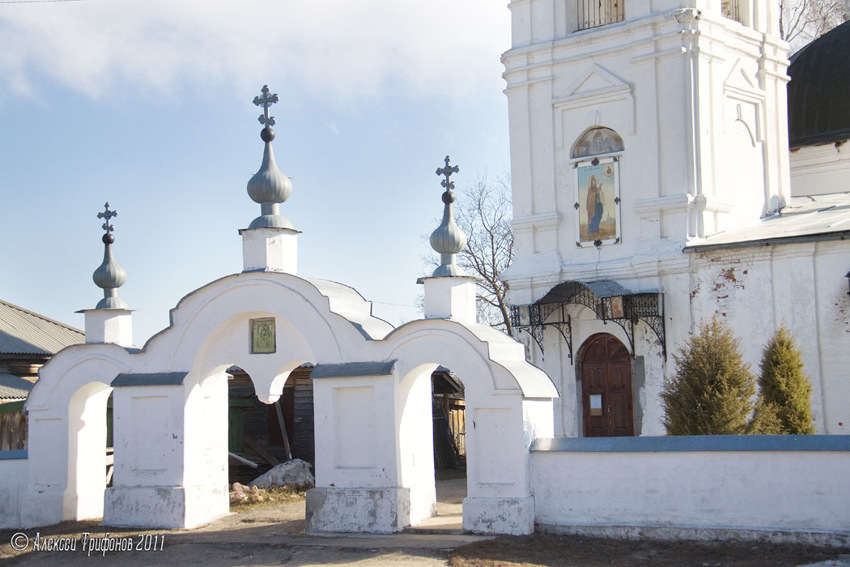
(448, 239)
(819, 90)
(109, 276)
(269, 187)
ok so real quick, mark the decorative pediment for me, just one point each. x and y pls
(595, 81)
(741, 81)
(589, 92)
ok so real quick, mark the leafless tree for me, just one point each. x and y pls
(483, 211)
(801, 21)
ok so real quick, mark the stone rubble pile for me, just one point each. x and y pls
(242, 494)
(294, 473)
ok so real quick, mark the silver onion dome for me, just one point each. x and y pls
(269, 186)
(448, 239)
(109, 276)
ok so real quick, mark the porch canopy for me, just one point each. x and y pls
(609, 300)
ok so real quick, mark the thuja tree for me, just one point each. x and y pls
(784, 405)
(712, 390)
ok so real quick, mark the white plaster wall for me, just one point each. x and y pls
(494, 418)
(170, 439)
(816, 170)
(832, 305)
(67, 434)
(416, 443)
(87, 442)
(450, 298)
(149, 435)
(789, 491)
(205, 449)
(757, 290)
(14, 476)
(537, 415)
(355, 432)
(229, 343)
(671, 86)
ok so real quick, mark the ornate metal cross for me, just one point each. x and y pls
(447, 171)
(266, 101)
(107, 214)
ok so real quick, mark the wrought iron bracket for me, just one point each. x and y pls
(536, 319)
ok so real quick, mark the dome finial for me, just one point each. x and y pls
(109, 276)
(448, 239)
(266, 100)
(269, 187)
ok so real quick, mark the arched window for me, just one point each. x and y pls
(597, 142)
(596, 165)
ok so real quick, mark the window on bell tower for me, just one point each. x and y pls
(595, 13)
(731, 9)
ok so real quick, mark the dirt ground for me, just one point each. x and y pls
(273, 534)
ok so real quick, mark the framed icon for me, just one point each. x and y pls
(263, 336)
(597, 202)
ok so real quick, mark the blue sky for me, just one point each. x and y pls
(147, 104)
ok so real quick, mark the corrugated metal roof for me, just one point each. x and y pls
(25, 332)
(14, 387)
(817, 216)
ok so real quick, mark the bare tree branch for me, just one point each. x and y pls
(802, 21)
(484, 212)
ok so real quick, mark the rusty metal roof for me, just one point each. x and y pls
(25, 332)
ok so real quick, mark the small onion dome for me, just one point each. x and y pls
(819, 90)
(269, 187)
(448, 239)
(109, 276)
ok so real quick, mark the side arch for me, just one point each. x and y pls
(508, 404)
(67, 434)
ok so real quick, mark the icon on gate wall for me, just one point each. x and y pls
(262, 336)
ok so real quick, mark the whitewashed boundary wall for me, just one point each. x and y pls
(13, 479)
(775, 487)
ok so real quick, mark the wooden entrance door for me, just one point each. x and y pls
(606, 388)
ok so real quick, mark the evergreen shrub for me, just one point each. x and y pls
(784, 405)
(712, 391)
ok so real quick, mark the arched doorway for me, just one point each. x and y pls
(606, 388)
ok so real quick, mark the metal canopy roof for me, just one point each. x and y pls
(609, 300)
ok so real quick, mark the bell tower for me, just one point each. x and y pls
(638, 127)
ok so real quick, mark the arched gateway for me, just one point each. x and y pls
(372, 397)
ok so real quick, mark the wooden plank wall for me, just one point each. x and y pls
(13, 431)
(304, 441)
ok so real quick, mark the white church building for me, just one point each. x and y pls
(650, 163)
(653, 189)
